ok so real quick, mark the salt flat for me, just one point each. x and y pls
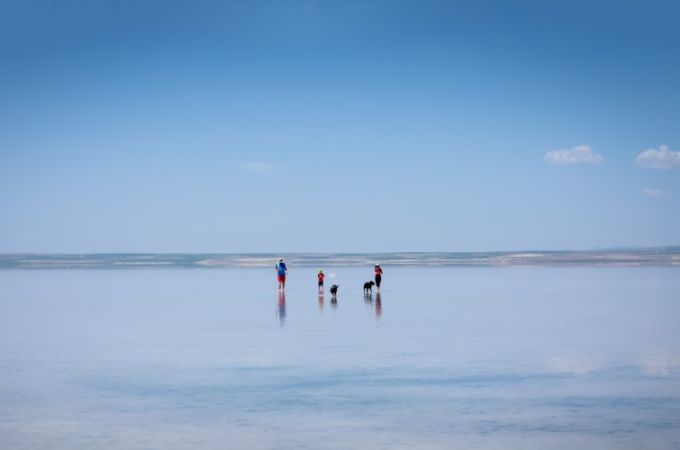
(446, 357)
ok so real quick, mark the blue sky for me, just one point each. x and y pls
(343, 126)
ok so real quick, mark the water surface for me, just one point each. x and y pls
(445, 357)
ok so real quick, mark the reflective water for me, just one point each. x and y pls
(519, 358)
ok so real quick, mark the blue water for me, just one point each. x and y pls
(511, 358)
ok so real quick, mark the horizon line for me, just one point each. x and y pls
(673, 247)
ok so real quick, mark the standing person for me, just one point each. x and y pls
(320, 277)
(377, 271)
(281, 271)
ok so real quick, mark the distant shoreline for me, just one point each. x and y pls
(663, 256)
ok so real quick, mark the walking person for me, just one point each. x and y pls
(281, 271)
(377, 271)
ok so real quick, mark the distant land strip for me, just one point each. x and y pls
(662, 256)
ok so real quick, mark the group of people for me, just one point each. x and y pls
(282, 271)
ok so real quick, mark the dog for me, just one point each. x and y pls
(334, 290)
(368, 287)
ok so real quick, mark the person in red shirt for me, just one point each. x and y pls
(320, 277)
(377, 271)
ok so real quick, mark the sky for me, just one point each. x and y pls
(338, 126)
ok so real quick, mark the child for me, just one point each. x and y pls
(320, 277)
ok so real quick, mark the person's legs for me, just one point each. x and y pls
(378, 279)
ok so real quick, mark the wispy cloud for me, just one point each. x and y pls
(651, 192)
(658, 159)
(259, 167)
(581, 154)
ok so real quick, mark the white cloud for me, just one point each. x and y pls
(581, 154)
(258, 167)
(658, 159)
(651, 192)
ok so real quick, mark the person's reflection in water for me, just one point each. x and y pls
(378, 305)
(281, 308)
(320, 300)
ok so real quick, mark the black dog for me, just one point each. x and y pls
(368, 287)
(334, 290)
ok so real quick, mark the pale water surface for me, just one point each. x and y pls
(516, 358)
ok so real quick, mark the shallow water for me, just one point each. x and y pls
(519, 358)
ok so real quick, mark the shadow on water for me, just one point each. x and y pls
(281, 308)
